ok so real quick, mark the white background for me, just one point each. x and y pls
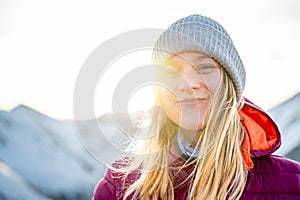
(44, 43)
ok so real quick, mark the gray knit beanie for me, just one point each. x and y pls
(202, 34)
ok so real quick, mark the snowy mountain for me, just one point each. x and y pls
(43, 158)
(287, 116)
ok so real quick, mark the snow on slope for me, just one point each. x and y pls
(14, 187)
(47, 155)
(287, 116)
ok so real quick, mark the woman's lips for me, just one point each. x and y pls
(192, 100)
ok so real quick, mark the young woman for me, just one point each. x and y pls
(207, 141)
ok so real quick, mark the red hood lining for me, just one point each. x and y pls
(261, 133)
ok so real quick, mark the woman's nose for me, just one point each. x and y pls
(190, 79)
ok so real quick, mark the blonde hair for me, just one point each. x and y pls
(219, 171)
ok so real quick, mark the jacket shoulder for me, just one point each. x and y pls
(115, 182)
(273, 177)
(275, 164)
(105, 189)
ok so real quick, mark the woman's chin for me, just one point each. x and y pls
(192, 126)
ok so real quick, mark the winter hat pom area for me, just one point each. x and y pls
(205, 35)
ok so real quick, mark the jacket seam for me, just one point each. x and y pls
(257, 192)
(112, 183)
(297, 173)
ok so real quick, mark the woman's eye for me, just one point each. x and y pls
(204, 69)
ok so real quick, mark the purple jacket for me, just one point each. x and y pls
(270, 177)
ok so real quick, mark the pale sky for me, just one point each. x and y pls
(43, 45)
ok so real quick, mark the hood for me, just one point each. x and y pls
(262, 136)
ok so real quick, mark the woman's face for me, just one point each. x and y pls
(190, 89)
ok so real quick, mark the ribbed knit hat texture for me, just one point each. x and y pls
(202, 34)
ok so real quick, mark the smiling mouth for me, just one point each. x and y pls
(192, 100)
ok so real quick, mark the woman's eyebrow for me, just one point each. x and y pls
(194, 58)
(188, 59)
(201, 57)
